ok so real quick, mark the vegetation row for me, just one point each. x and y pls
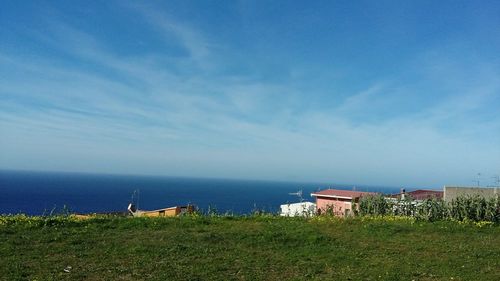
(475, 210)
(463, 208)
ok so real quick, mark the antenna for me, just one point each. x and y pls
(496, 181)
(478, 178)
(298, 194)
(135, 195)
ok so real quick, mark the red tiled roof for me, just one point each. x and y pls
(421, 194)
(341, 193)
(424, 194)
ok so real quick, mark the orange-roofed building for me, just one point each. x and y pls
(340, 202)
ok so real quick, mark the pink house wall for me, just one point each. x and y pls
(338, 206)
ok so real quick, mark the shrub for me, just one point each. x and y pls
(374, 205)
(475, 208)
(431, 209)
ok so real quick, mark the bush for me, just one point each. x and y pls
(431, 209)
(374, 205)
(475, 208)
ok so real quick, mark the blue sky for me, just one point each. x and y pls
(402, 93)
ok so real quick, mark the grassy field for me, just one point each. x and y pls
(247, 248)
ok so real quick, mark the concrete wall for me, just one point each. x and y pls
(452, 192)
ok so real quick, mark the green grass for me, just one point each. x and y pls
(247, 248)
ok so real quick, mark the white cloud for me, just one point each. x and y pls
(135, 115)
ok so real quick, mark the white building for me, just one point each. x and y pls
(304, 209)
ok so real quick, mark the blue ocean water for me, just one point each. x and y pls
(37, 193)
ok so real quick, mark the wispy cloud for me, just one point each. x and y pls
(101, 110)
(199, 47)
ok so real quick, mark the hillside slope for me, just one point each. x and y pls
(247, 248)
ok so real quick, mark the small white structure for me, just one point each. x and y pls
(304, 209)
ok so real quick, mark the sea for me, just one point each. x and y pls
(44, 193)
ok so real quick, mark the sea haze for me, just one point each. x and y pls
(37, 193)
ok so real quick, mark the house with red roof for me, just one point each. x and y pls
(419, 194)
(340, 202)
